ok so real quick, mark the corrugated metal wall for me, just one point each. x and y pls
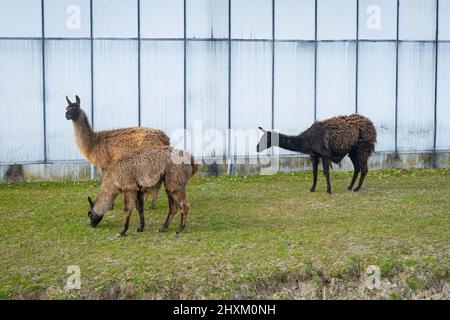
(221, 64)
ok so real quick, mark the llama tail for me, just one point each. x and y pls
(371, 149)
(194, 165)
(367, 147)
(367, 132)
(339, 164)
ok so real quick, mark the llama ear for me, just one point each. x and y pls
(78, 100)
(68, 101)
(91, 203)
(262, 129)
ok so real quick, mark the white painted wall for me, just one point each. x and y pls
(209, 79)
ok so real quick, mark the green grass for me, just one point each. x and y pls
(243, 234)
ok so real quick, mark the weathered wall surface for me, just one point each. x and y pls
(78, 171)
(198, 68)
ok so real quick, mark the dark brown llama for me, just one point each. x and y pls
(140, 172)
(331, 140)
(104, 148)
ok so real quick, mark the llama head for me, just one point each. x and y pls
(95, 218)
(265, 142)
(73, 109)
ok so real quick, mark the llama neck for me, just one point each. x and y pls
(293, 143)
(105, 199)
(83, 133)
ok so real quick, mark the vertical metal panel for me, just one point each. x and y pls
(20, 18)
(115, 84)
(436, 57)
(396, 75)
(67, 18)
(416, 96)
(335, 79)
(207, 18)
(162, 85)
(336, 19)
(356, 57)
(162, 18)
(207, 96)
(67, 74)
(21, 123)
(139, 59)
(378, 19)
(294, 87)
(417, 19)
(44, 108)
(376, 90)
(273, 65)
(229, 84)
(443, 98)
(251, 89)
(115, 18)
(315, 61)
(251, 19)
(91, 22)
(184, 74)
(294, 19)
(444, 19)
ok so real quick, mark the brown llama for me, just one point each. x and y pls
(331, 140)
(104, 148)
(140, 172)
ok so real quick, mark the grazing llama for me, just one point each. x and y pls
(104, 148)
(140, 172)
(331, 140)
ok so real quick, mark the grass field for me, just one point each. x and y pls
(246, 237)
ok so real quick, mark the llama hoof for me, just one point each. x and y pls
(122, 234)
(356, 189)
(312, 190)
(349, 188)
(140, 230)
(162, 230)
(179, 230)
(329, 191)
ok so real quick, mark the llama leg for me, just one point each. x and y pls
(315, 165)
(364, 169)
(155, 196)
(172, 211)
(104, 171)
(140, 209)
(146, 195)
(354, 157)
(326, 172)
(153, 192)
(129, 198)
(184, 204)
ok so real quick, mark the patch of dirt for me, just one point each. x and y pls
(284, 286)
(14, 174)
(121, 291)
(347, 289)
